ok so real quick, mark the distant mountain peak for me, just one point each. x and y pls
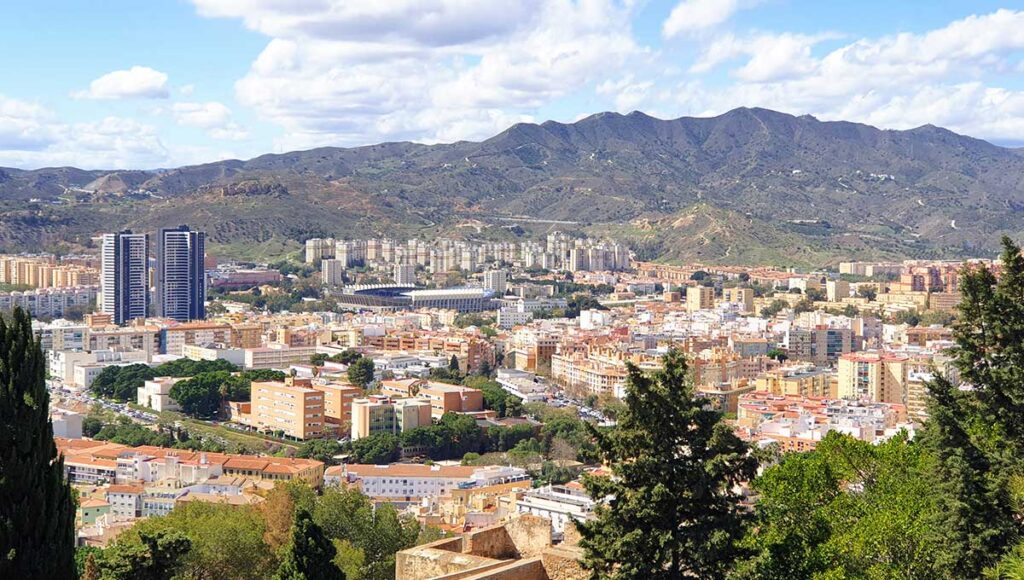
(841, 185)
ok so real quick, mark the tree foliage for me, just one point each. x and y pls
(672, 512)
(37, 511)
(360, 372)
(378, 448)
(149, 556)
(310, 554)
(496, 398)
(944, 505)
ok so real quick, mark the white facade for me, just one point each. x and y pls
(156, 394)
(405, 273)
(66, 424)
(512, 317)
(558, 503)
(497, 281)
(332, 272)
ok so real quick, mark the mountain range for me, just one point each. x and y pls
(748, 186)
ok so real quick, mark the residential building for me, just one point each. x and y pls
(338, 400)
(445, 398)
(50, 302)
(174, 338)
(496, 281)
(405, 273)
(125, 499)
(874, 376)
(742, 296)
(381, 414)
(561, 504)
(509, 318)
(332, 272)
(805, 380)
(699, 298)
(292, 407)
(125, 276)
(180, 274)
(156, 394)
(837, 290)
(277, 356)
(411, 482)
(66, 424)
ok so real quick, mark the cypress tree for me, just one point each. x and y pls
(37, 512)
(310, 555)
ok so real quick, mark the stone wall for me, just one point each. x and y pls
(532, 569)
(530, 534)
(563, 563)
(491, 543)
(436, 559)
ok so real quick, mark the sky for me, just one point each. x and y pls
(147, 84)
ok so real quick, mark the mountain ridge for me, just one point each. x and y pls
(925, 191)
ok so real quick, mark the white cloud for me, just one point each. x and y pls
(38, 139)
(25, 126)
(213, 117)
(898, 81)
(138, 82)
(693, 15)
(351, 73)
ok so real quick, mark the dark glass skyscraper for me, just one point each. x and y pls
(180, 274)
(125, 277)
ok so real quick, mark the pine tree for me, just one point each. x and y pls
(37, 512)
(976, 519)
(310, 556)
(670, 509)
(990, 346)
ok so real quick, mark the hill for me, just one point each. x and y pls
(748, 185)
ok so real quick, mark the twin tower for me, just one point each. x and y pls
(178, 275)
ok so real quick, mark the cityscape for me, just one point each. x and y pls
(538, 342)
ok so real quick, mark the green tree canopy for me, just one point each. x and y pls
(153, 556)
(379, 448)
(310, 555)
(672, 512)
(320, 449)
(200, 396)
(121, 382)
(360, 372)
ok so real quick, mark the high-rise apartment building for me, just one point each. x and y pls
(125, 276)
(699, 298)
(332, 272)
(836, 290)
(742, 296)
(405, 273)
(497, 281)
(876, 376)
(180, 274)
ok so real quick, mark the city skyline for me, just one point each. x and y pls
(220, 79)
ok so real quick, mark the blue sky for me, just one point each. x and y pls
(133, 84)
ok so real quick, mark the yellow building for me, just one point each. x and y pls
(876, 376)
(338, 400)
(291, 406)
(380, 414)
(801, 380)
(743, 296)
(699, 298)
